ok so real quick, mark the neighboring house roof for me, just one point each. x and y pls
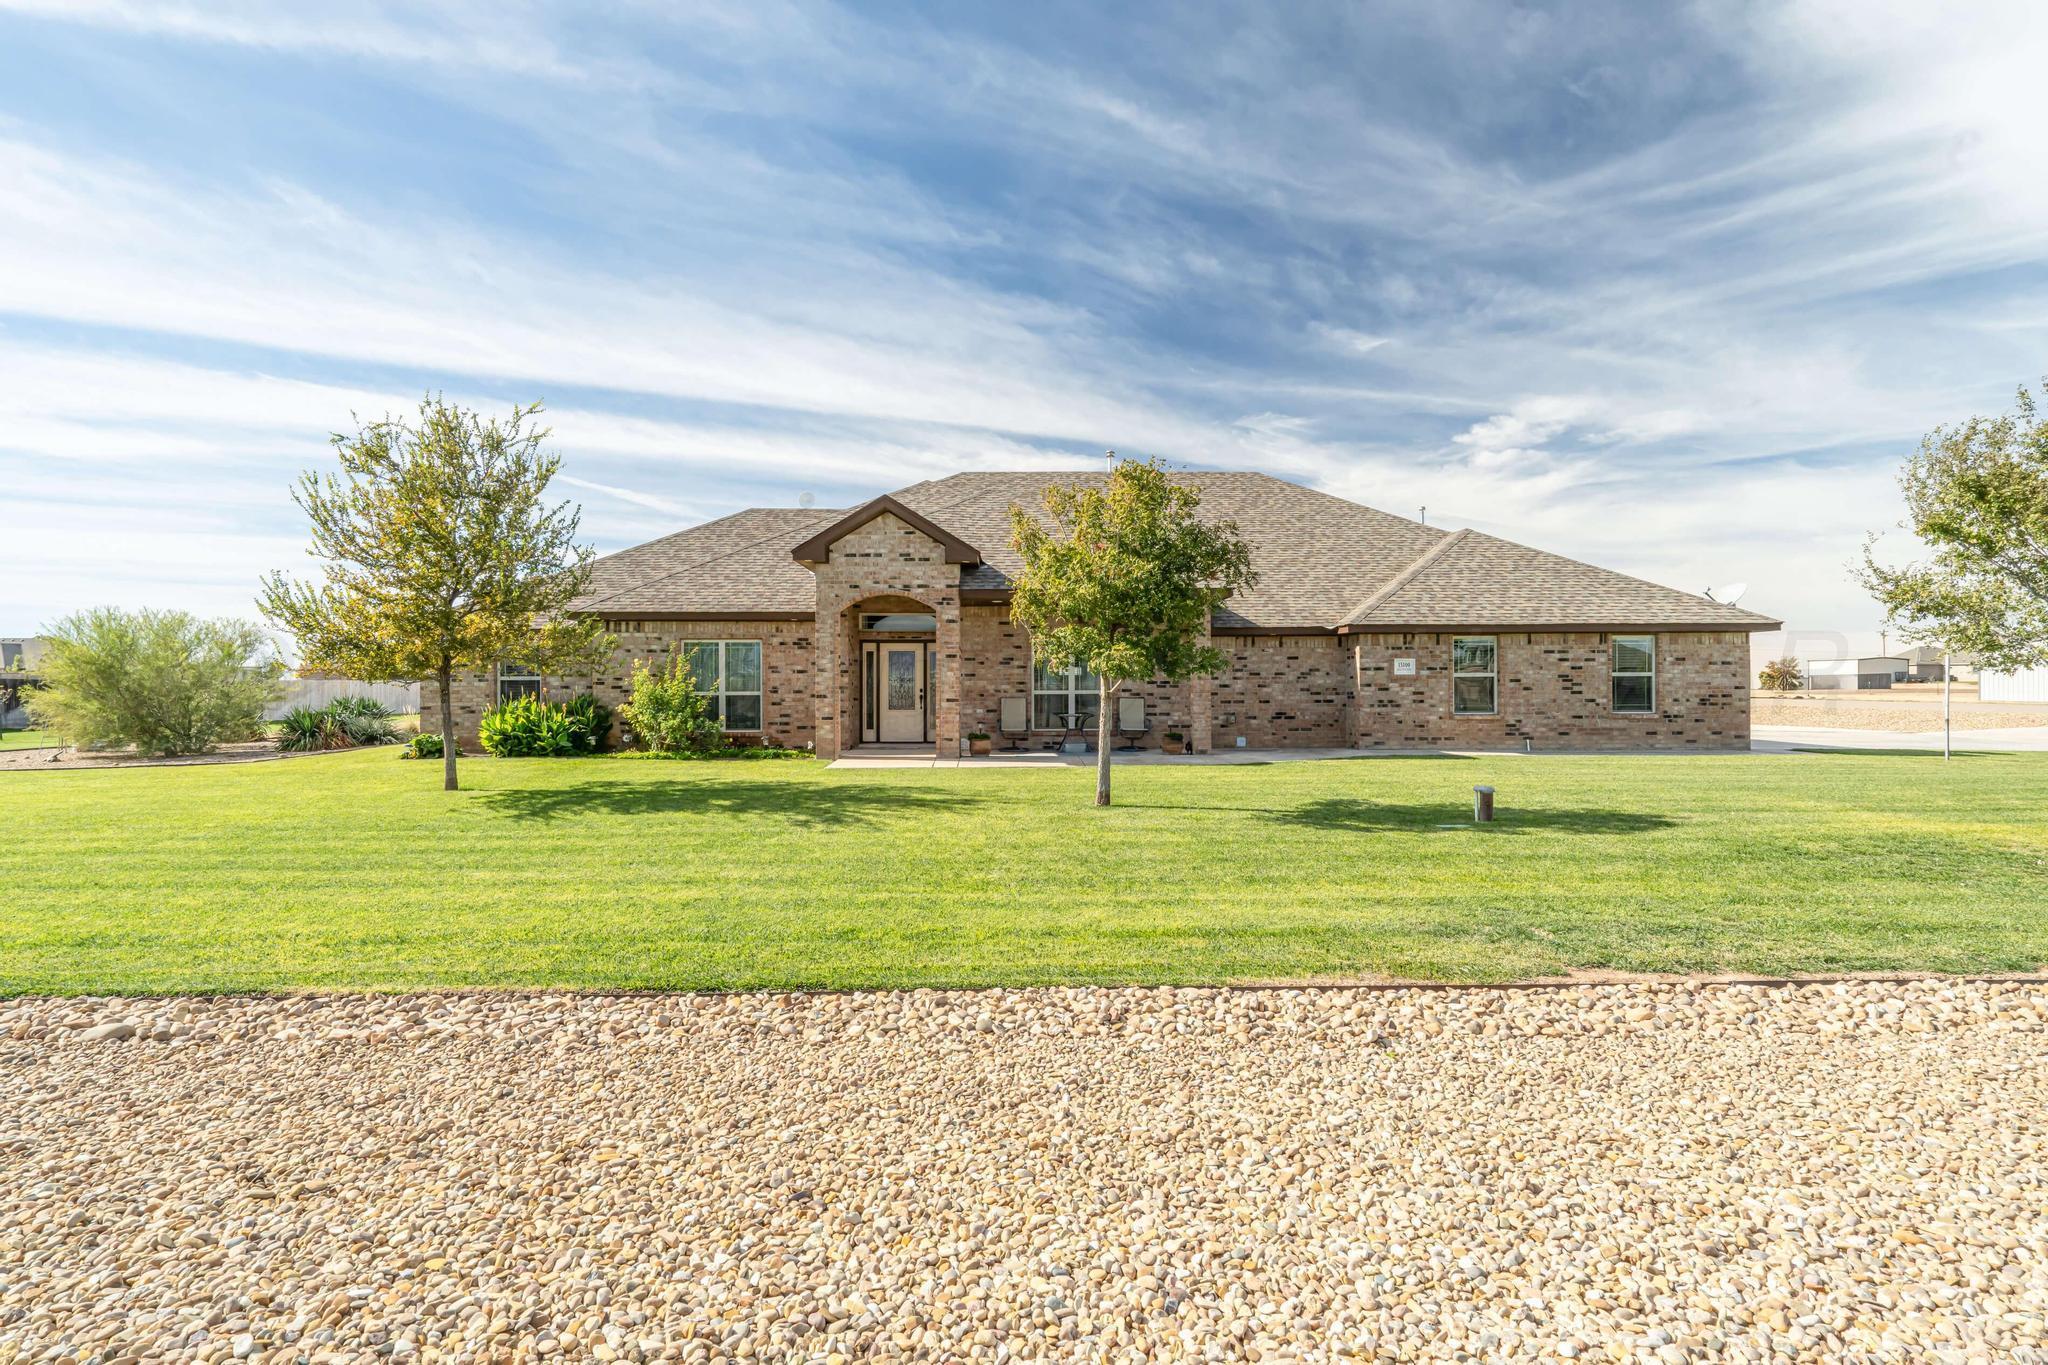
(1324, 563)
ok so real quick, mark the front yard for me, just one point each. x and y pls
(355, 870)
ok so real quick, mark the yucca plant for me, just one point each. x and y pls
(365, 729)
(344, 723)
(305, 729)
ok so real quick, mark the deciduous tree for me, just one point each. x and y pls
(1977, 497)
(440, 553)
(1781, 675)
(1122, 582)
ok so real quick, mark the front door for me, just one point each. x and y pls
(902, 686)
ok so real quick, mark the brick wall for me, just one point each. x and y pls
(786, 686)
(1553, 691)
(886, 559)
(1282, 692)
(996, 663)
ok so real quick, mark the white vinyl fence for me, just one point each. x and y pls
(317, 692)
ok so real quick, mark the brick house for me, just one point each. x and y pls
(888, 624)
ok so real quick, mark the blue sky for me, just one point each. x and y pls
(1673, 288)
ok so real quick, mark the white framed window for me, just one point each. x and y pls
(1635, 674)
(517, 680)
(1475, 676)
(1063, 698)
(730, 672)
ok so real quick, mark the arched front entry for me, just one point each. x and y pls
(892, 641)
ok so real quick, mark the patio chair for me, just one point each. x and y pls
(1131, 723)
(1014, 723)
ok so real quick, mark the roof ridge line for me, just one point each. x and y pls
(1406, 576)
(696, 564)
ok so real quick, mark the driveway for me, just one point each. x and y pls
(1612, 1172)
(1786, 738)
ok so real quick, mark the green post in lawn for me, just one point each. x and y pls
(1123, 584)
(440, 553)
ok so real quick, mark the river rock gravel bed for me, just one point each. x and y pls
(1614, 1172)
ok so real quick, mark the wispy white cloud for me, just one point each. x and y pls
(758, 249)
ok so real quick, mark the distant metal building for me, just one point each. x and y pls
(1925, 663)
(1851, 675)
(2026, 684)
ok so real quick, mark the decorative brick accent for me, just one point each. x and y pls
(1282, 692)
(1553, 692)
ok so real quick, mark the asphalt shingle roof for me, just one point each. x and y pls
(1323, 563)
(1315, 554)
(735, 564)
(1480, 580)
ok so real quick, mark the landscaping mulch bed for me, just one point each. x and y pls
(254, 751)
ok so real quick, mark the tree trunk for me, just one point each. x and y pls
(447, 731)
(1102, 736)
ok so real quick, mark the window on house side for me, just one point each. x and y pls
(1474, 676)
(517, 680)
(1635, 674)
(729, 671)
(1056, 696)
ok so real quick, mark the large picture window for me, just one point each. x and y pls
(729, 671)
(1067, 697)
(517, 680)
(1475, 680)
(1635, 674)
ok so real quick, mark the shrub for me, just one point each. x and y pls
(668, 713)
(165, 682)
(360, 726)
(593, 720)
(305, 729)
(422, 746)
(344, 723)
(533, 727)
(1781, 675)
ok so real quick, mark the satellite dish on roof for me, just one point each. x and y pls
(1728, 594)
(807, 500)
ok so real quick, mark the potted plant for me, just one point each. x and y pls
(978, 744)
(1174, 742)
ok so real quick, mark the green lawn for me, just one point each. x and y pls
(25, 739)
(356, 870)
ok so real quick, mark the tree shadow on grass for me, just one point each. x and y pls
(1382, 817)
(827, 804)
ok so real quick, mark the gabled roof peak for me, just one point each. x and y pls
(818, 548)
